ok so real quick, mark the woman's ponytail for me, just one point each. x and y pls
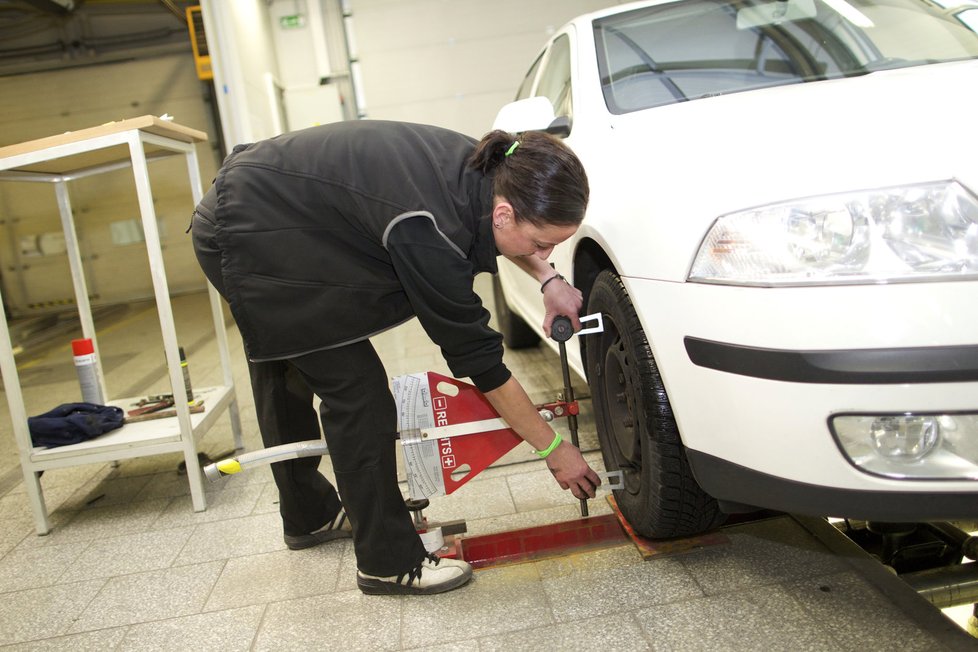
(491, 151)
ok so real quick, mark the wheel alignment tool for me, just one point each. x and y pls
(449, 432)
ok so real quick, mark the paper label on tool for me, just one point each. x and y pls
(416, 412)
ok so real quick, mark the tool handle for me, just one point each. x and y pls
(561, 329)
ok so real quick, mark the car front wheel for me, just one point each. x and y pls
(635, 424)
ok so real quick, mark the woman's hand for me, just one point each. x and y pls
(571, 471)
(561, 298)
(568, 466)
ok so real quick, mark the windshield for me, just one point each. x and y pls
(692, 49)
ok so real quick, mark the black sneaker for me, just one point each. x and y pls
(432, 575)
(338, 528)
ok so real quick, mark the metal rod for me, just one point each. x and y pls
(946, 587)
(571, 418)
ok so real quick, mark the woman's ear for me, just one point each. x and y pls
(502, 213)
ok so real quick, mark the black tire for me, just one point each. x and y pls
(636, 427)
(517, 334)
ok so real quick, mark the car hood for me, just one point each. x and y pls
(662, 176)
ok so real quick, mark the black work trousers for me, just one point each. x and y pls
(359, 421)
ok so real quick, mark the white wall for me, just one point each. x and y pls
(303, 54)
(243, 59)
(452, 63)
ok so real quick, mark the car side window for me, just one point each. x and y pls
(527, 85)
(555, 80)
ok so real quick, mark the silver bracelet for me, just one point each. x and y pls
(555, 276)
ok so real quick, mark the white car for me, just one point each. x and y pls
(783, 240)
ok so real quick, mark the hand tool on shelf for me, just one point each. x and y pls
(159, 406)
(151, 404)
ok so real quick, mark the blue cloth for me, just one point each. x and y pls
(72, 423)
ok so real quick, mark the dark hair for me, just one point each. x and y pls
(542, 178)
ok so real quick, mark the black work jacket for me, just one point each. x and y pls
(333, 234)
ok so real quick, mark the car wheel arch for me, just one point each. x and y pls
(590, 262)
(590, 259)
(636, 425)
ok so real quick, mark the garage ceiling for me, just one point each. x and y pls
(41, 35)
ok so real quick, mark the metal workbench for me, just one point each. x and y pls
(52, 162)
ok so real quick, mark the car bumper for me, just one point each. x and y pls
(755, 374)
(742, 487)
(931, 364)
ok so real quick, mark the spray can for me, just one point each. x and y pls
(87, 367)
(186, 375)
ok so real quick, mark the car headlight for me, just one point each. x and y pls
(905, 233)
(910, 446)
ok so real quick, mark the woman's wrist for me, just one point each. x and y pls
(557, 276)
(545, 453)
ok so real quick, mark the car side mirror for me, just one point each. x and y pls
(531, 114)
(560, 127)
